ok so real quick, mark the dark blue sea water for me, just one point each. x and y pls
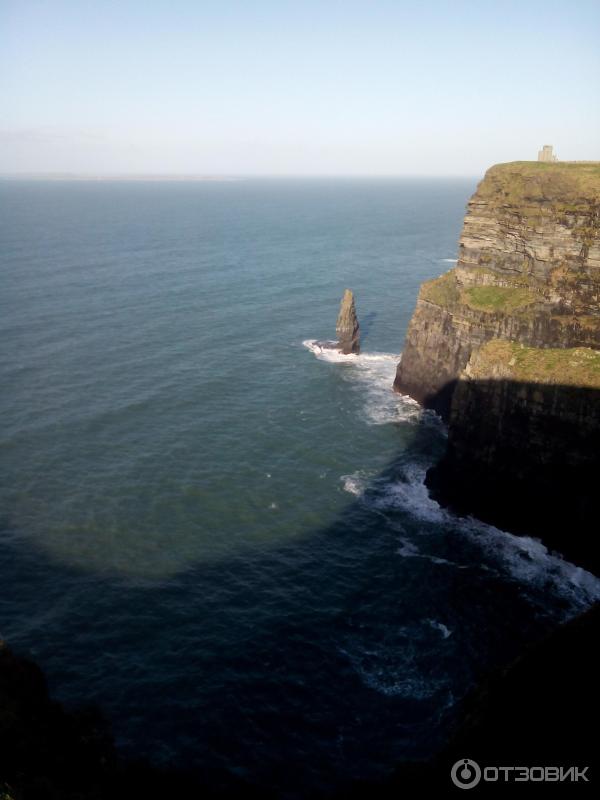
(213, 531)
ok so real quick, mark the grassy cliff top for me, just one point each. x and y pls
(443, 291)
(577, 366)
(562, 183)
(446, 292)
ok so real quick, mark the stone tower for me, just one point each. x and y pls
(545, 154)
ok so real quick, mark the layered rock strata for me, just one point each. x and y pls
(347, 328)
(506, 347)
(524, 445)
(528, 270)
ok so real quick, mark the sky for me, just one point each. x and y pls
(295, 87)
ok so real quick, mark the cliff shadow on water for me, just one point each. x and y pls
(525, 457)
(403, 621)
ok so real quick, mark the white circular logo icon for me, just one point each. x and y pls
(465, 773)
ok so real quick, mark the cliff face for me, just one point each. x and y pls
(524, 445)
(506, 347)
(528, 270)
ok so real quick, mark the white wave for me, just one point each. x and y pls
(530, 562)
(411, 495)
(439, 626)
(393, 671)
(399, 664)
(408, 549)
(449, 260)
(523, 558)
(376, 373)
(328, 353)
(356, 483)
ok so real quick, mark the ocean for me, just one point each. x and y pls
(216, 532)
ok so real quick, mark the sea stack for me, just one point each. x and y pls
(347, 327)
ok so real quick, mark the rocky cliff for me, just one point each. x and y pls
(347, 328)
(524, 445)
(506, 348)
(528, 271)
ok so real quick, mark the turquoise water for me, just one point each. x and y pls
(214, 531)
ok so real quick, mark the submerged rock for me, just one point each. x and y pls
(347, 327)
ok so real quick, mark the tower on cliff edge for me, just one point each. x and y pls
(545, 154)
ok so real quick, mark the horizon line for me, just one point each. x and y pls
(217, 177)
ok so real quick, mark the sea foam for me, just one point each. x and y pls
(375, 372)
(520, 558)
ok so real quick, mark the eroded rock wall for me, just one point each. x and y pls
(506, 347)
(523, 448)
(528, 270)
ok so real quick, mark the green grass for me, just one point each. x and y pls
(566, 187)
(497, 298)
(446, 292)
(442, 291)
(576, 366)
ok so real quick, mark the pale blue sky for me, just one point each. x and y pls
(305, 87)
